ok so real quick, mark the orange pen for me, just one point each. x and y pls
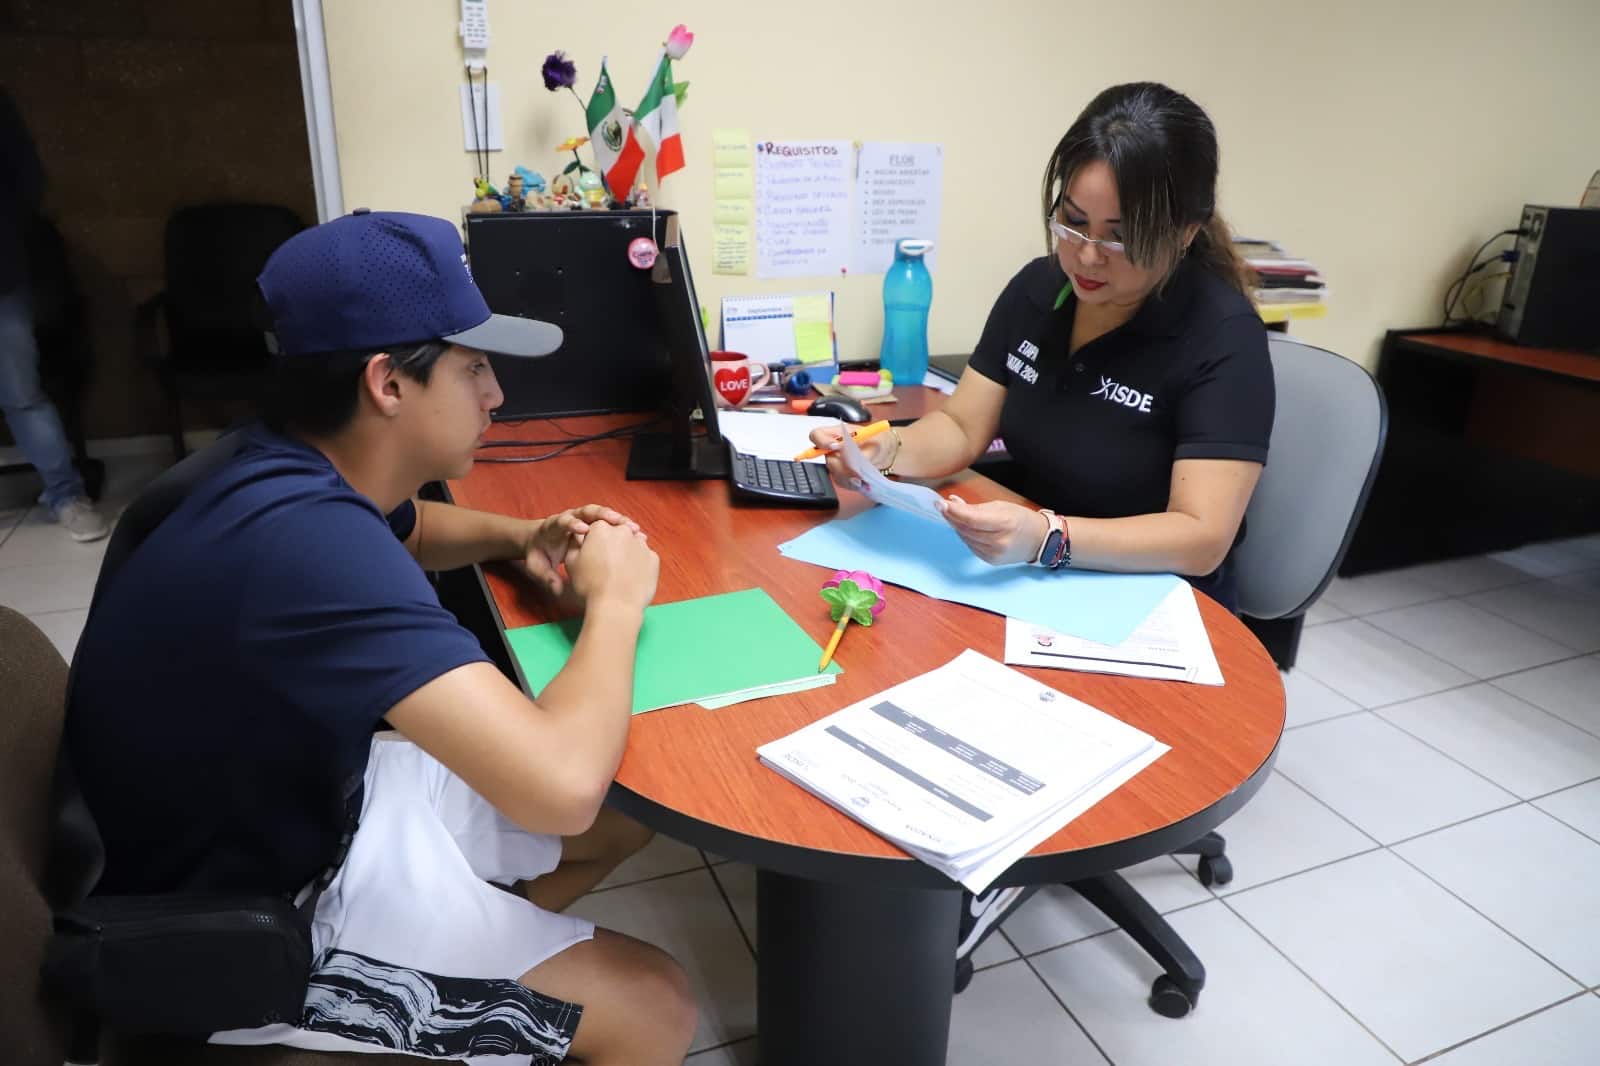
(858, 435)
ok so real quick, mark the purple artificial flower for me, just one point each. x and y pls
(559, 71)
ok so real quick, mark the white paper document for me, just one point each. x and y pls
(967, 767)
(1170, 643)
(918, 499)
(803, 207)
(771, 436)
(898, 189)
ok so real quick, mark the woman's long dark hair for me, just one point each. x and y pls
(1162, 148)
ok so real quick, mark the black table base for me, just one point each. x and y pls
(853, 975)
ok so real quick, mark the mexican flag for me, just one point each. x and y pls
(655, 123)
(608, 127)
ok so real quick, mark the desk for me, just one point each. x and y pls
(1491, 445)
(856, 941)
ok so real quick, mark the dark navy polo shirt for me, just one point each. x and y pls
(231, 675)
(1096, 433)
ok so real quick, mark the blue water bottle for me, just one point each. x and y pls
(907, 295)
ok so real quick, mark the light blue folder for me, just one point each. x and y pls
(927, 556)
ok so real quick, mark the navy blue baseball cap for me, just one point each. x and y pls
(373, 279)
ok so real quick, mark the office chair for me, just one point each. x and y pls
(49, 850)
(215, 347)
(1327, 439)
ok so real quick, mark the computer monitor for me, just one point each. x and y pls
(680, 454)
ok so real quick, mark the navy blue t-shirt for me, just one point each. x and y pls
(233, 673)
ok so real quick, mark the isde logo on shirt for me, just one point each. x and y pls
(1123, 395)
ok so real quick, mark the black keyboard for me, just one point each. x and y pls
(780, 481)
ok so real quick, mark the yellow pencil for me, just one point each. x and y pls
(858, 435)
(833, 642)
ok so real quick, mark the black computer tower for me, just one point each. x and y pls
(1552, 299)
(572, 268)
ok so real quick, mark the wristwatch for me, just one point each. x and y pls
(1056, 551)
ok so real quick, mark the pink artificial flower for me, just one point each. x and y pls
(678, 41)
(863, 580)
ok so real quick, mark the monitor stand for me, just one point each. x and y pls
(669, 457)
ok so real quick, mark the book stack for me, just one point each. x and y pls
(1280, 277)
(967, 767)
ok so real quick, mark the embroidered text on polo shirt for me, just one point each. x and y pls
(1122, 394)
(1027, 373)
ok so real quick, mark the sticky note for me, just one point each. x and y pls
(732, 148)
(730, 249)
(734, 183)
(733, 212)
(813, 328)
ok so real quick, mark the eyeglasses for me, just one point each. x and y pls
(1076, 239)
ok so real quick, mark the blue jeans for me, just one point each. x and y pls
(29, 413)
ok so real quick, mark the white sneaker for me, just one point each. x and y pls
(987, 909)
(81, 521)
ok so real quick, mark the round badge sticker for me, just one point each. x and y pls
(642, 252)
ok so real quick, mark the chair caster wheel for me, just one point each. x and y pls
(963, 975)
(1216, 870)
(1168, 999)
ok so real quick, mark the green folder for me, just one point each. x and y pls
(714, 651)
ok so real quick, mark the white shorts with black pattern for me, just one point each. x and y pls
(416, 951)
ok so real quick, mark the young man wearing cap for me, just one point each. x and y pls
(231, 679)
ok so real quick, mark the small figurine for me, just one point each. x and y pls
(592, 189)
(641, 195)
(563, 196)
(512, 198)
(486, 198)
(532, 180)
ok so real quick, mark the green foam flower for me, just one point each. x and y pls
(847, 597)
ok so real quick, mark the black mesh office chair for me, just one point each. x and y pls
(214, 347)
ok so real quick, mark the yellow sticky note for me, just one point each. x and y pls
(813, 307)
(734, 183)
(730, 249)
(734, 212)
(732, 148)
(813, 328)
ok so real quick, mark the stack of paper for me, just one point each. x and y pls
(714, 651)
(1171, 643)
(770, 435)
(968, 767)
(1280, 278)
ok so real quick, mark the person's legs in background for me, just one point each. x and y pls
(35, 424)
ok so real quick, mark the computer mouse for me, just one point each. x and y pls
(844, 408)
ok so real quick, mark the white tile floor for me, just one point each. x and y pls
(1416, 881)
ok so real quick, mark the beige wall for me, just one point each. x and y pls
(1383, 141)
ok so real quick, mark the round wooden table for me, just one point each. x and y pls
(855, 940)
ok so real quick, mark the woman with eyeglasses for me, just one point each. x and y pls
(1127, 372)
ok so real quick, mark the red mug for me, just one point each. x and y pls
(735, 375)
